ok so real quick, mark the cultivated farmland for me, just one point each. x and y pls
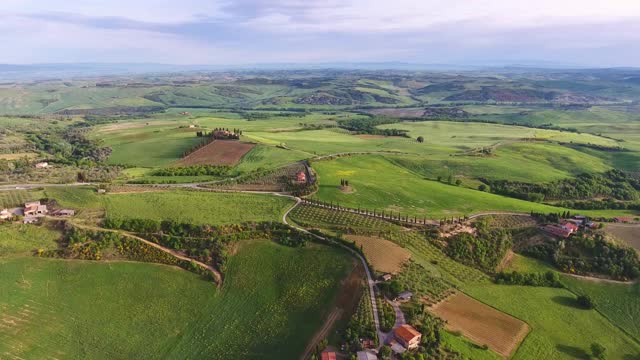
(629, 233)
(219, 152)
(482, 324)
(559, 329)
(384, 255)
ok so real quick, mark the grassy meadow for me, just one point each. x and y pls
(197, 207)
(379, 184)
(148, 311)
(20, 239)
(618, 302)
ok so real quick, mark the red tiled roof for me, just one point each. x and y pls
(570, 226)
(557, 230)
(328, 355)
(406, 333)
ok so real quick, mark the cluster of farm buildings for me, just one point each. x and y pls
(568, 227)
(32, 212)
(405, 337)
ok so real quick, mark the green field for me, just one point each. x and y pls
(466, 348)
(197, 207)
(379, 184)
(618, 302)
(528, 162)
(559, 330)
(150, 145)
(19, 239)
(147, 311)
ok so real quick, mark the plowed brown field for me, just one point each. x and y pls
(219, 152)
(482, 323)
(383, 255)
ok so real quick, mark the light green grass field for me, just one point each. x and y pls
(467, 134)
(197, 207)
(149, 146)
(618, 302)
(379, 184)
(20, 239)
(78, 197)
(529, 162)
(466, 348)
(559, 330)
(119, 310)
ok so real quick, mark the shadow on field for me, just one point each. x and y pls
(575, 352)
(566, 301)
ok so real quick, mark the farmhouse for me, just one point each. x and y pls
(569, 226)
(42, 165)
(328, 355)
(407, 336)
(366, 355)
(386, 277)
(5, 214)
(404, 296)
(557, 231)
(34, 208)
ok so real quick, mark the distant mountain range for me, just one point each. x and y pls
(66, 70)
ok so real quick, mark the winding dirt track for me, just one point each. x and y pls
(216, 274)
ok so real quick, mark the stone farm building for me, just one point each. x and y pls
(404, 296)
(407, 336)
(34, 208)
(5, 214)
(64, 212)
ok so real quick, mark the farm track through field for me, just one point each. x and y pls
(370, 280)
(216, 274)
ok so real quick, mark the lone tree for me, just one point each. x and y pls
(585, 302)
(482, 187)
(598, 351)
(420, 139)
(458, 182)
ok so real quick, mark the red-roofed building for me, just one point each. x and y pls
(301, 177)
(557, 231)
(407, 336)
(328, 355)
(571, 227)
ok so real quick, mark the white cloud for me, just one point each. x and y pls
(159, 11)
(357, 16)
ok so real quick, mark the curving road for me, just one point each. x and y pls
(370, 281)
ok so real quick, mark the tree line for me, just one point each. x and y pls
(615, 184)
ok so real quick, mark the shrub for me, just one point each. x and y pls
(585, 302)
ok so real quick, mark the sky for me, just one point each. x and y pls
(594, 33)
